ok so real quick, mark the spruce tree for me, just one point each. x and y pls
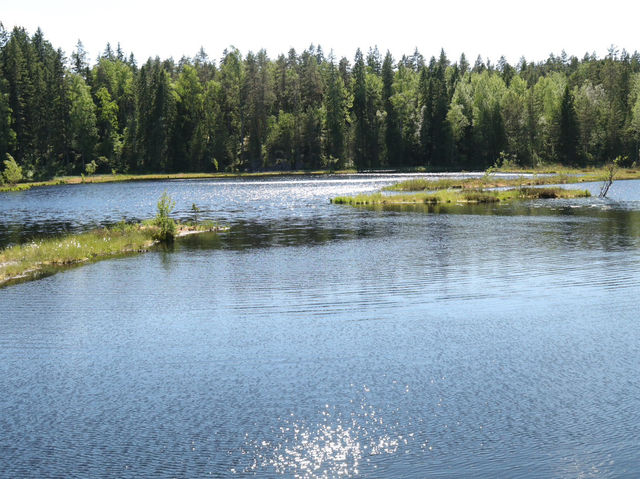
(393, 136)
(568, 141)
(360, 112)
(335, 106)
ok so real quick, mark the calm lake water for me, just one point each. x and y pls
(319, 340)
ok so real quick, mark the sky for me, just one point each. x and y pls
(490, 28)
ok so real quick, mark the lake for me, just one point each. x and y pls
(320, 340)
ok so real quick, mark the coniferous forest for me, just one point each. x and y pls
(309, 110)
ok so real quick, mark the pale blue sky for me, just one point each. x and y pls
(490, 28)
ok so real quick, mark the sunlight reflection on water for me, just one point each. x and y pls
(335, 444)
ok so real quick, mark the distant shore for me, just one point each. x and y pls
(558, 174)
(117, 178)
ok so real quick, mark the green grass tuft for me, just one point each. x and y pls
(461, 196)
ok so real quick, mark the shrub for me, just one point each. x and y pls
(90, 168)
(166, 226)
(12, 172)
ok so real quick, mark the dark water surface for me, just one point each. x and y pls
(318, 340)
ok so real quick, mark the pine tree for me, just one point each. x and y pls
(79, 61)
(187, 143)
(7, 135)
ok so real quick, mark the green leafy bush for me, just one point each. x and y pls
(12, 172)
(90, 168)
(166, 225)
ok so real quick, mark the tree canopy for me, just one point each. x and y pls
(309, 111)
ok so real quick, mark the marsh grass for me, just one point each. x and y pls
(535, 178)
(32, 260)
(36, 256)
(461, 196)
(487, 181)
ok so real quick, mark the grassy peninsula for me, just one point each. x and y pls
(38, 258)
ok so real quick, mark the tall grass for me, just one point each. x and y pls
(37, 255)
(461, 196)
(487, 181)
(33, 258)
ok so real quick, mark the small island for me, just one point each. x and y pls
(486, 189)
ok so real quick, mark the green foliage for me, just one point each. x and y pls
(7, 135)
(84, 133)
(12, 173)
(166, 225)
(90, 168)
(337, 112)
(195, 210)
(568, 140)
(280, 143)
(307, 111)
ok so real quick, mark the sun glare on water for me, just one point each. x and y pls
(337, 444)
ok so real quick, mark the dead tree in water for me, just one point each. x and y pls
(610, 171)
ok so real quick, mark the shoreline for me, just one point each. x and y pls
(123, 178)
(567, 175)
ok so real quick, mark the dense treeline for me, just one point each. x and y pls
(309, 111)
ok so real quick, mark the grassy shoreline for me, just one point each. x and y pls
(553, 175)
(33, 260)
